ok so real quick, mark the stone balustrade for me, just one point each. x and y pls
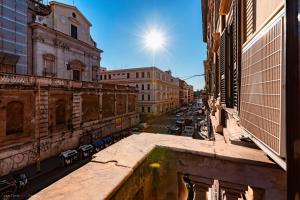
(150, 166)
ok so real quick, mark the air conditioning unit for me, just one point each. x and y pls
(40, 20)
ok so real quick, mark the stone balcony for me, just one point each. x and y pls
(152, 166)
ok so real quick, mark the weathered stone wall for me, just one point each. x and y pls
(52, 115)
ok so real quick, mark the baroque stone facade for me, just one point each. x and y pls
(62, 45)
(40, 117)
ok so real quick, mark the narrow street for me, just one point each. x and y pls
(51, 170)
(176, 123)
(160, 124)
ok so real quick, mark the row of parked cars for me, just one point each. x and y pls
(85, 150)
(188, 120)
(13, 184)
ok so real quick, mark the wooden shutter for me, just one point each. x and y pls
(217, 77)
(249, 14)
(223, 63)
(236, 48)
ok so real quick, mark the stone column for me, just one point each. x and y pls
(233, 191)
(201, 191)
(254, 193)
(201, 187)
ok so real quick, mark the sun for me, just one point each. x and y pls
(154, 40)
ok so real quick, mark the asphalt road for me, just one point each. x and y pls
(45, 179)
(160, 124)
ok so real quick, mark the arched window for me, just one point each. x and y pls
(14, 117)
(60, 112)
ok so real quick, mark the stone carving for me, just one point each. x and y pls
(60, 44)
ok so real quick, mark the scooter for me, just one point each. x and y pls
(10, 187)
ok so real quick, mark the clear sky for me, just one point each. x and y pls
(118, 27)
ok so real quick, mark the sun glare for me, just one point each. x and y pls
(154, 40)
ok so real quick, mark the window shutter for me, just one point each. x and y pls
(217, 77)
(223, 63)
(250, 17)
(235, 54)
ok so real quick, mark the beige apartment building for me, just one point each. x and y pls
(190, 93)
(62, 45)
(186, 93)
(158, 90)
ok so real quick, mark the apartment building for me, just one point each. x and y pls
(186, 93)
(245, 70)
(158, 90)
(190, 94)
(63, 46)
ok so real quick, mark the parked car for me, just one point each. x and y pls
(68, 157)
(188, 131)
(174, 130)
(85, 150)
(107, 140)
(116, 137)
(135, 129)
(180, 124)
(98, 145)
(188, 121)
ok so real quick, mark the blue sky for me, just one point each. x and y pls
(119, 27)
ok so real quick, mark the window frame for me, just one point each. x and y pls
(72, 33)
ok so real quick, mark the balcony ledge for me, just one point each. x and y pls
(105, 176)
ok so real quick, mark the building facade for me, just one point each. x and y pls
(41, 112)
(244, 70)
(41, 117)
(190, 93)
(63, 46)
(186, 93)
(158, 90)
